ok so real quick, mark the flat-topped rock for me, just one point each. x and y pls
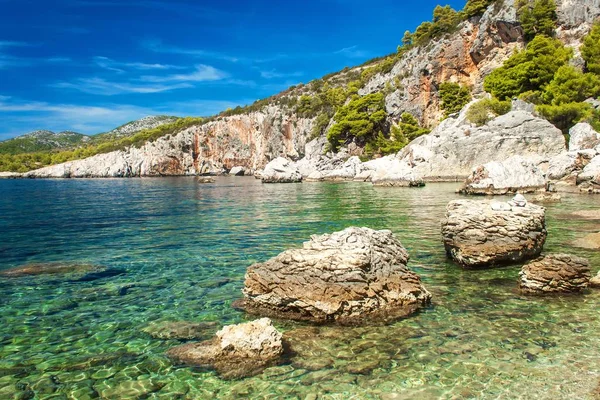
(236, 351)
(555, 273)
(480, 234)
(351, 276)
(280, 170)
(513, 175)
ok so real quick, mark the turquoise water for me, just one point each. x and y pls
(185, 247)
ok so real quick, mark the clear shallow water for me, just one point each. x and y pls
(185, 247)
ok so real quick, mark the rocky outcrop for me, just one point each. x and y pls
(555, 273)
(237, 171)
(10, 175)
(280, 170)
(236, 351)
(351, 276)
(583, 137)
(513, 175)
(481, 234)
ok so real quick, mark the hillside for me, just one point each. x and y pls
(381, 106)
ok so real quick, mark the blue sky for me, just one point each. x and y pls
(91, 65)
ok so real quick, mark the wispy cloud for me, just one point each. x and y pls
(202, 73)
(158, 46)
(99, 86)
(352, 52)
(120, 66)
(274, 74)
(10, 43)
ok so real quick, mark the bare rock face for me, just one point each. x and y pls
(350, 276)
(583, 137)
(480, 234)
(281, 170)
(513, 175)
(237, 171)
(236, 351)
(555, 273)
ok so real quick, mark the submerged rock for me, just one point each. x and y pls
(514, 175)
(281, 170)
(52, 268)
(591, 241)
(595, 281)
(236, 351)
(547, 198)
(346, 277)
(555, 273)
(184, 330)
(482, 234)
(205, 179)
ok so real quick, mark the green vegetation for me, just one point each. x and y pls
(454, 97)
(28, 161)
(401, 134)
(476, 7)
(361, 119)
(41, 141)
(590, 50)
(537, 17)
(485, 110)
(529, 70)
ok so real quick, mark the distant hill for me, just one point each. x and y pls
(44, 140)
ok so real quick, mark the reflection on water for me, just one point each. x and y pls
(185, 247)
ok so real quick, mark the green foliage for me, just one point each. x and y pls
(486, 109)
(476, 7)
(454, 97)
(320, 124)
(407, 38)
(28, 161)
(571, 85)
(564, 116)
(528, 70)
(43, 141)
(590, 50)
(401, 134)
(360, 119)
(537, 17)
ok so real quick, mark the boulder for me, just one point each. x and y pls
(395, 173)
(237, 171)
(281, 170)
(482, 234)
(591, 241)
(515, 174)
(205, 179)
(555, 273)
(236, 351)
(583, 136)
(595, 281)
(350, 276)
(569, 163)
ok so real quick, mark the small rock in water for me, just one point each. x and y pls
(555, 273)
(236, 351)
(547, 198)
(518, 201)
(205, 179)
(107, 273)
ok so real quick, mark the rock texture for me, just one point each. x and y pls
(555, 273)
(595, 282)
(583, 137)
(513, 175)
(280, 170)
(350, 276)
(481, 234)
(236, 351)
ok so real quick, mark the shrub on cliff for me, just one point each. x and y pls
(528, 70)
(571, 86)
(537, 17)
(590, 50)
(476, 7)
(564, 116)
(362, 118)
(485, 110)
(454, 97)
(401, 134)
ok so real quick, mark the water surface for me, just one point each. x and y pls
(185, 247)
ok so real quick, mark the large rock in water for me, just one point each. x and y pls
(236, 351)
(480, 234)
(555, 273)
(513, 175)
(346, 277)
(281, 170)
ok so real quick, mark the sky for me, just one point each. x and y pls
(92, 65)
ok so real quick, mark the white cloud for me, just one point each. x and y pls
(158, 47)
(202, 73)
(118, 66)
(103, 87)
(274, 74)
(352, 52)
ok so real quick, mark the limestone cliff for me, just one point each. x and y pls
(253, 138)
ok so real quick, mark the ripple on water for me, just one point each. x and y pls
(183, 249)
